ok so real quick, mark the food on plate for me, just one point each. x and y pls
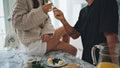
(60, 62)
(71, 66)
(50, 60)
(55, 61)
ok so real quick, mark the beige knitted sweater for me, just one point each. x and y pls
(30, 23)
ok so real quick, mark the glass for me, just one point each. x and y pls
(34, 61)
(107, 58)
(49, 1)
(34, 58)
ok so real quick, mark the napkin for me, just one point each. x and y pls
(11, 40)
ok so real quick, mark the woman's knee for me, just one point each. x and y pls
(74, 50)
(67, 48)
(66, 38)
(60, 31)
(51, 45)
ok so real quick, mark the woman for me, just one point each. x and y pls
(34, 27)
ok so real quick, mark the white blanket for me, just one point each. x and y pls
(37, 48)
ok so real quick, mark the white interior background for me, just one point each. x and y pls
(70, 9)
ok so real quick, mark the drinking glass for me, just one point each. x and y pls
(49, 1)
(107, 58)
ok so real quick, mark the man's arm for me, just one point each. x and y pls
(69, 29)
(112, 39)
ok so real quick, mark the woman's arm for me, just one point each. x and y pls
(25, 18)
(48, 27)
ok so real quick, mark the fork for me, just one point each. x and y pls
(37, 60)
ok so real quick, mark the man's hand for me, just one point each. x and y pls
(58, 14)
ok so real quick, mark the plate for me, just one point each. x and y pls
(56, 64)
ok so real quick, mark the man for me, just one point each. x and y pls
(97, 23)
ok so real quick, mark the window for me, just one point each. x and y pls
(2, 25)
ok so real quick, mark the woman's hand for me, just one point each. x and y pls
(46, 37)
(58, 14)
(46, 8)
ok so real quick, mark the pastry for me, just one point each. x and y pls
(55, 61)
(50, 60)
(60, 62)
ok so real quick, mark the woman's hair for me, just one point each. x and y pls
(35, 4)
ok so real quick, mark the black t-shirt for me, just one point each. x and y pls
(94, 20)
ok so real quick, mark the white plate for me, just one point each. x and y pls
(56, 65)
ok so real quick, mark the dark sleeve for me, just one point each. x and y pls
(108, 16)
(79, 26)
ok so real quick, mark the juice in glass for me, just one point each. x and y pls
(107, 65)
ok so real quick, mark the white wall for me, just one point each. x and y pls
(71, 9)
